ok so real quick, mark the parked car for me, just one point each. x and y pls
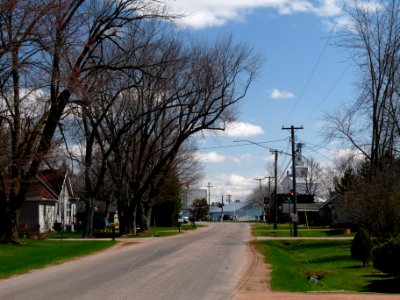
(185, 220)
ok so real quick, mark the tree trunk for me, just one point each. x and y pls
(8, 222)
(131, 219)
(123, 226)
(146, 215)
(89, 216)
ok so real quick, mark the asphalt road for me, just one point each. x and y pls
(202, 265)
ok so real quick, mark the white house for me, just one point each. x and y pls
(50, 203)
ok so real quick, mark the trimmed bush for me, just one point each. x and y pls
(361, 247)
(387, 257)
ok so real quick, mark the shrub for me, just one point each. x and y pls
(361, 247)
(387, 257)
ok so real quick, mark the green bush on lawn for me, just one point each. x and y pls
(329, 262)
(387, 257)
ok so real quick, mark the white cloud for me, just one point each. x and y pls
(269, 158)
(232, 130)
(241, 129)
(241, 158)
(234, 180)
(216, 158)
(277, 94)
(207, 13)
(237, 186)
(370, 6)
(347, 153)
(330, 8)
(210, 157)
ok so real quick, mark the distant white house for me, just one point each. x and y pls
(238, 211)
(50, 201)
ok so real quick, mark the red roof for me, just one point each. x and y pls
(47, 185)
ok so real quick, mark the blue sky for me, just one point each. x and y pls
(304, 76)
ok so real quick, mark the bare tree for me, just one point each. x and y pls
(370, 124)
(197, 92)
(54, 47)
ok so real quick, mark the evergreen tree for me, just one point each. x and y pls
(387, 258)
(361, 246)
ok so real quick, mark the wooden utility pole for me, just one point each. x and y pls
(276, 188)
(262, 198)
(222, 209)
(269, 196)
(295, 216)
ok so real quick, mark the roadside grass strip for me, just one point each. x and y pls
(284, 230)
(321, 265)
(33, 254)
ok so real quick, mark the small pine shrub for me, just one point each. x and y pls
(387, 257)
(361, 247)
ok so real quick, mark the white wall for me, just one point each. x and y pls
(47, 216)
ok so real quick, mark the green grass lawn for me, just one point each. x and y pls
(328, 261)
(32, 254)
(267, 230)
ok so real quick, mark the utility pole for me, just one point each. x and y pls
(209, 186)
(269, 195)
(262, 199)
(295, 216)
(275, 152)
(222, 209)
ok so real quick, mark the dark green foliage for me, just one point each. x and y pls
(387, 257)
(347, 182)
(164, 213)
(361, 247)
(168, 203)
(200, 209)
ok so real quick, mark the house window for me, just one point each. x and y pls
(68, 209)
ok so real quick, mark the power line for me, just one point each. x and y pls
(312, 72)
(327, 94)
(241, 145)
(319, 146)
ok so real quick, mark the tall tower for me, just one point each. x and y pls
(299, 155)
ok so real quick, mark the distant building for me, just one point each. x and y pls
(236, 211)
(301, 175)
(189, 196)
(308, 210)
(336, 211)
